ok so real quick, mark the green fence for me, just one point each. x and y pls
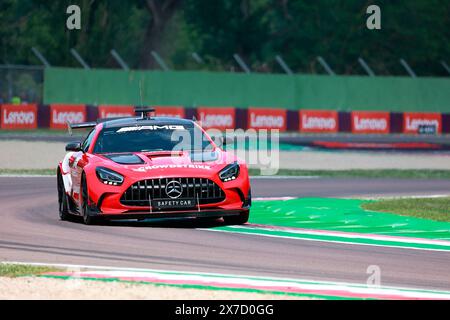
(191, 88)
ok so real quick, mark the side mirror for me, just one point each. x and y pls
(73, 146)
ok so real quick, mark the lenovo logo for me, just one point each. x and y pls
(114, 114)
(22, 116)
(262, 121)
(370, 124)
(216, 120)
(62, 117)
(412, 121)
(318, 123)
(263, 118)
(60, 114)
(18, 117)
(413, 124)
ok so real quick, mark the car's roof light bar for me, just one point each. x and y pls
(144, 112)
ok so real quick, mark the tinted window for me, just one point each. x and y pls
(161, 137)
(87, 142)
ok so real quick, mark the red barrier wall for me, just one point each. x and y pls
(22, 116)
(370, 122)
(318, 121)
(412, 121)
(218, 118)
(105, 111)
(264, 118)
(60, 114)
(170, 111)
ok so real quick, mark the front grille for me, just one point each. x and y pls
(140, 193)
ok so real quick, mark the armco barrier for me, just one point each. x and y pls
(16, 117)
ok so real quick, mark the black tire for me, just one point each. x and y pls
(240, 219)
(62, 199)
(87, 218)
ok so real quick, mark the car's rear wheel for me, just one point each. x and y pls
(87, 218)
(240, 219)
(62, 199)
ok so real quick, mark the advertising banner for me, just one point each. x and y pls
(413, 122)
(265, 118)
(318, 121)
(221, 118)
(370, 122)
(60, 114)
(21, 116)
(106, 111)
(170, 111)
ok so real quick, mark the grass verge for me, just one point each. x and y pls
(371, 173)
(437, 209)
(45, 172)
(19, 270)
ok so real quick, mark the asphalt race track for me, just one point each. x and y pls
(30, 231)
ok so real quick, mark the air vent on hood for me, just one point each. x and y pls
(125, 158)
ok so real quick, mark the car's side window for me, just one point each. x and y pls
(88, 140)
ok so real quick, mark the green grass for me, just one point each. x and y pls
(16, 270)
(46, 172)
(371, 173)
(426, 208)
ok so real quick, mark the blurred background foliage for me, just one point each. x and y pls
(258, 30)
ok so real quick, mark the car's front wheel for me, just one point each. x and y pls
(62, 199)
(87, 218)
(239, 219)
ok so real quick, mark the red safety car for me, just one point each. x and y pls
(151, 167)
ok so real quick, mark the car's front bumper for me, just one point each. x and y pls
(141, 215)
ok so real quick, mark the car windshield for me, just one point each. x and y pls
(149, 138)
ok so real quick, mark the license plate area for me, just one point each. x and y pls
(173, 204)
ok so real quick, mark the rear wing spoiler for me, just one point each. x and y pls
(81, 125)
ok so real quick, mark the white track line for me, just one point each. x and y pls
(27, 176)
(230, 280)
(284, 177)
(349, 243)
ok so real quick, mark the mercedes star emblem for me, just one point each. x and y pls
(174, 189)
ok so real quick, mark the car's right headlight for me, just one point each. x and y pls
(230, 172)
(108, 176)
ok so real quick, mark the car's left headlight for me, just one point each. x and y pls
(108, 176)
(230, 172)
